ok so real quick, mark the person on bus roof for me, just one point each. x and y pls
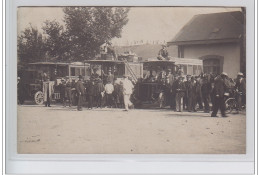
(163, 53)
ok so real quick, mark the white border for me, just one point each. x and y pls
(131, 164)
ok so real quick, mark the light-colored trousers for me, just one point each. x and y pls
(127, 101)
(179, 102)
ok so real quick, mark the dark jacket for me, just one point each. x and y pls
(180, 88)
(163, 53)
(205, 88)
(91, 89)
(241, 85)
(99, 87)
(198, 89)
(219, 86)
(80, 87)
(190, 88)
(174, 86)
(62, 88)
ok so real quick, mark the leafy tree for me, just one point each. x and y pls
(89, 27)
(31, 46)
(85, 30)
(57, 40)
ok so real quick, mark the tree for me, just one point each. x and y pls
(31, 46)
(87, 28)
(57, 40)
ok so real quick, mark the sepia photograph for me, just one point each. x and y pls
(131, 80)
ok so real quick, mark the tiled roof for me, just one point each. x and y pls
(211, 27)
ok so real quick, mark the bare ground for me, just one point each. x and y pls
(66, 130)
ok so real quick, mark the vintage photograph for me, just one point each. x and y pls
(131, 80)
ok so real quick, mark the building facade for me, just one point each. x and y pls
(217, 39)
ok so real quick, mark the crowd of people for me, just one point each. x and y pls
(205, 92)
(97, 93)
(193, 93)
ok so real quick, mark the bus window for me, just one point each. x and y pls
(184, 67)
(77, 71)
(195, 70)
(72, 71)
(190, 70)
(83, 71)
(199, 69)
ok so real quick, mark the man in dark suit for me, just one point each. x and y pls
(205, 91)
(241, 90)
(99, 89)
(219, 90)
(81, 91)
(190, 93)
(91, 93)
(173, 91)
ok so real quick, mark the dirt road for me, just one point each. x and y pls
(65, 130)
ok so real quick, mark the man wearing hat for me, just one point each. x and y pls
(109, 89)
(173, 91)
(205, 92)
(68, 94)
(91, 93)
(47, 90)
(62, 91)
(99, 90)
(241, 89)
(81, 92)
(180, 92)
(198, 93)
(219, 90)
(190, 93)
(163, 53)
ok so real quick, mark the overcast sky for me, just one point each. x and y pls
(145, 23)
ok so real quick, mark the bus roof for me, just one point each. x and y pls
(177, 61)
(159, 61)
(104, 61)
(58, 63)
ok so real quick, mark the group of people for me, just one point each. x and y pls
(197, 92)
(98, 94)
(189, 93)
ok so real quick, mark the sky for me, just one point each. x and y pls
(145, 23)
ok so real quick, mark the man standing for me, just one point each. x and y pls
(91, 93)
(163, 53)
(198, 94)
(219, 90)
(48, 91)
(81, 92)
(127, 91)
(241, 90)
(68, 92)
(110, 76)
(99, 89)
(109, 89)
(173, 91)
(63, 91)
(190, 93)
(180, 91)
(205, 91)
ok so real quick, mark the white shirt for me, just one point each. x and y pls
(128, 86)
(109, 88)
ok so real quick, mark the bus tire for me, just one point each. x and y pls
(38, 98)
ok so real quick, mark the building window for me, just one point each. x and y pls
(211, 65)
